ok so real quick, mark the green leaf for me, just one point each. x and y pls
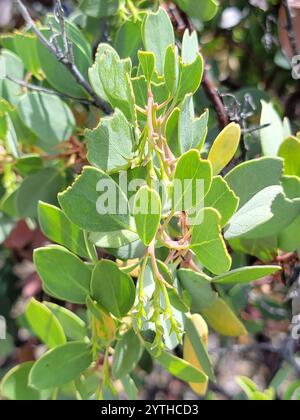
(290, 152)
(289, 238)
(199, 289)
(63, 274)
(99, 8)
(115, 80)
(191, 131)
(158, 34)
(190, 77)
(127, 354)
(291, 186)
(12, 144)
(253, 214)
(130, 388)
(199, 348)
(112, 288)
(204, 11)
(224, 147)
(48, 117)
(94, 76)
(40, 186)
(58, 228)
(147, 62)
(26, 48)
(60, 366)
(265, 249)
(179, 367)
(85, 203)
(113, 239)
(147, 214)
(73, 326)
(44, 324)
(10, 64)
(223, 320)
(208, 244)
(222, 198)
(246, 274)
(272, 136)
(192, 181)
(29, 164)
(171, 68)
(14, 385)
(110, 145)
(172, 131)
(259, 173)
(129, 40)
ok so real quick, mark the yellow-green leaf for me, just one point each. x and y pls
(225, 147)
(223, 320)
(290, 152)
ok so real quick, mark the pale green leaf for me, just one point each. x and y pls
(272, 136)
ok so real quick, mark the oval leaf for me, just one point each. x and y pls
(64, 275)
(112, 289)
(14, 385)
(223, 320)
(60, 366)
(224, 147)
(246, 274)
(44, 324)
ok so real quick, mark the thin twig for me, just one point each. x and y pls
(216, 100)
(65, 58)
(41, 89)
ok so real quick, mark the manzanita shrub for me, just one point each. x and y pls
(142, 238)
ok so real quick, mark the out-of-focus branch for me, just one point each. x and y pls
(65, 57)
(290, 27)
(42, 89)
